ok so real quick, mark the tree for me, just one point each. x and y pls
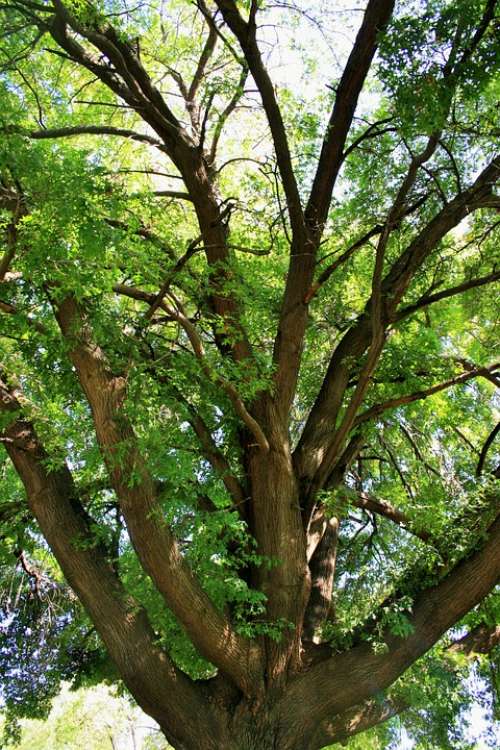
(88, 720)
(248, 359)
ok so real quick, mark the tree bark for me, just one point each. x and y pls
(153, 541)
(276, 522)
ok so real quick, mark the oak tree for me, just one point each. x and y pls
(249, 350)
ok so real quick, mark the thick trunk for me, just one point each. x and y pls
(251, 728)
(252, 732)
(276, 523)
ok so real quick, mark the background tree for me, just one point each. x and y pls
(248, 362)
(88, 719)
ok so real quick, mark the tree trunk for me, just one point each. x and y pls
(276, 523)
(251, 727)
(255, 733)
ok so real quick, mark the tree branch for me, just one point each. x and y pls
(318, 428)
(129, 80)
(160, 689)
(377, 409)
(223, 117)
(359, 719)
(294, 312)
(481, 640)
(127, 76)
(245, 32)
(76, 130)
(176, 194)
(6, 307)
(327, 272)
(478, 195)
(322, 566)
(371, 131)
(13, 202)
(158, 300)
(205, 56)
(377, 15)
(145, 234)
(215, 456)
(345, 680)
(156, 547)
(484, 451)
(199, 352)
(444, 294)
(386, 510)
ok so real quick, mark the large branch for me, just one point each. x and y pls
(155, 545)
(157, 685)
(322, 563)
(399, 206)
(293, 315)
(377, 320)
(481, 640)
(126, 75)
(359, 719)
(129, 80)
(381, 309)
(348, 679)
(317, 433)
(322, 534)
(478, 195)
(12, 202)
(450, 69)
(385, 509)
(377, 15)
(322, 566)
(294, 312)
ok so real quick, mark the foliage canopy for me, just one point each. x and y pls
(249, 332)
